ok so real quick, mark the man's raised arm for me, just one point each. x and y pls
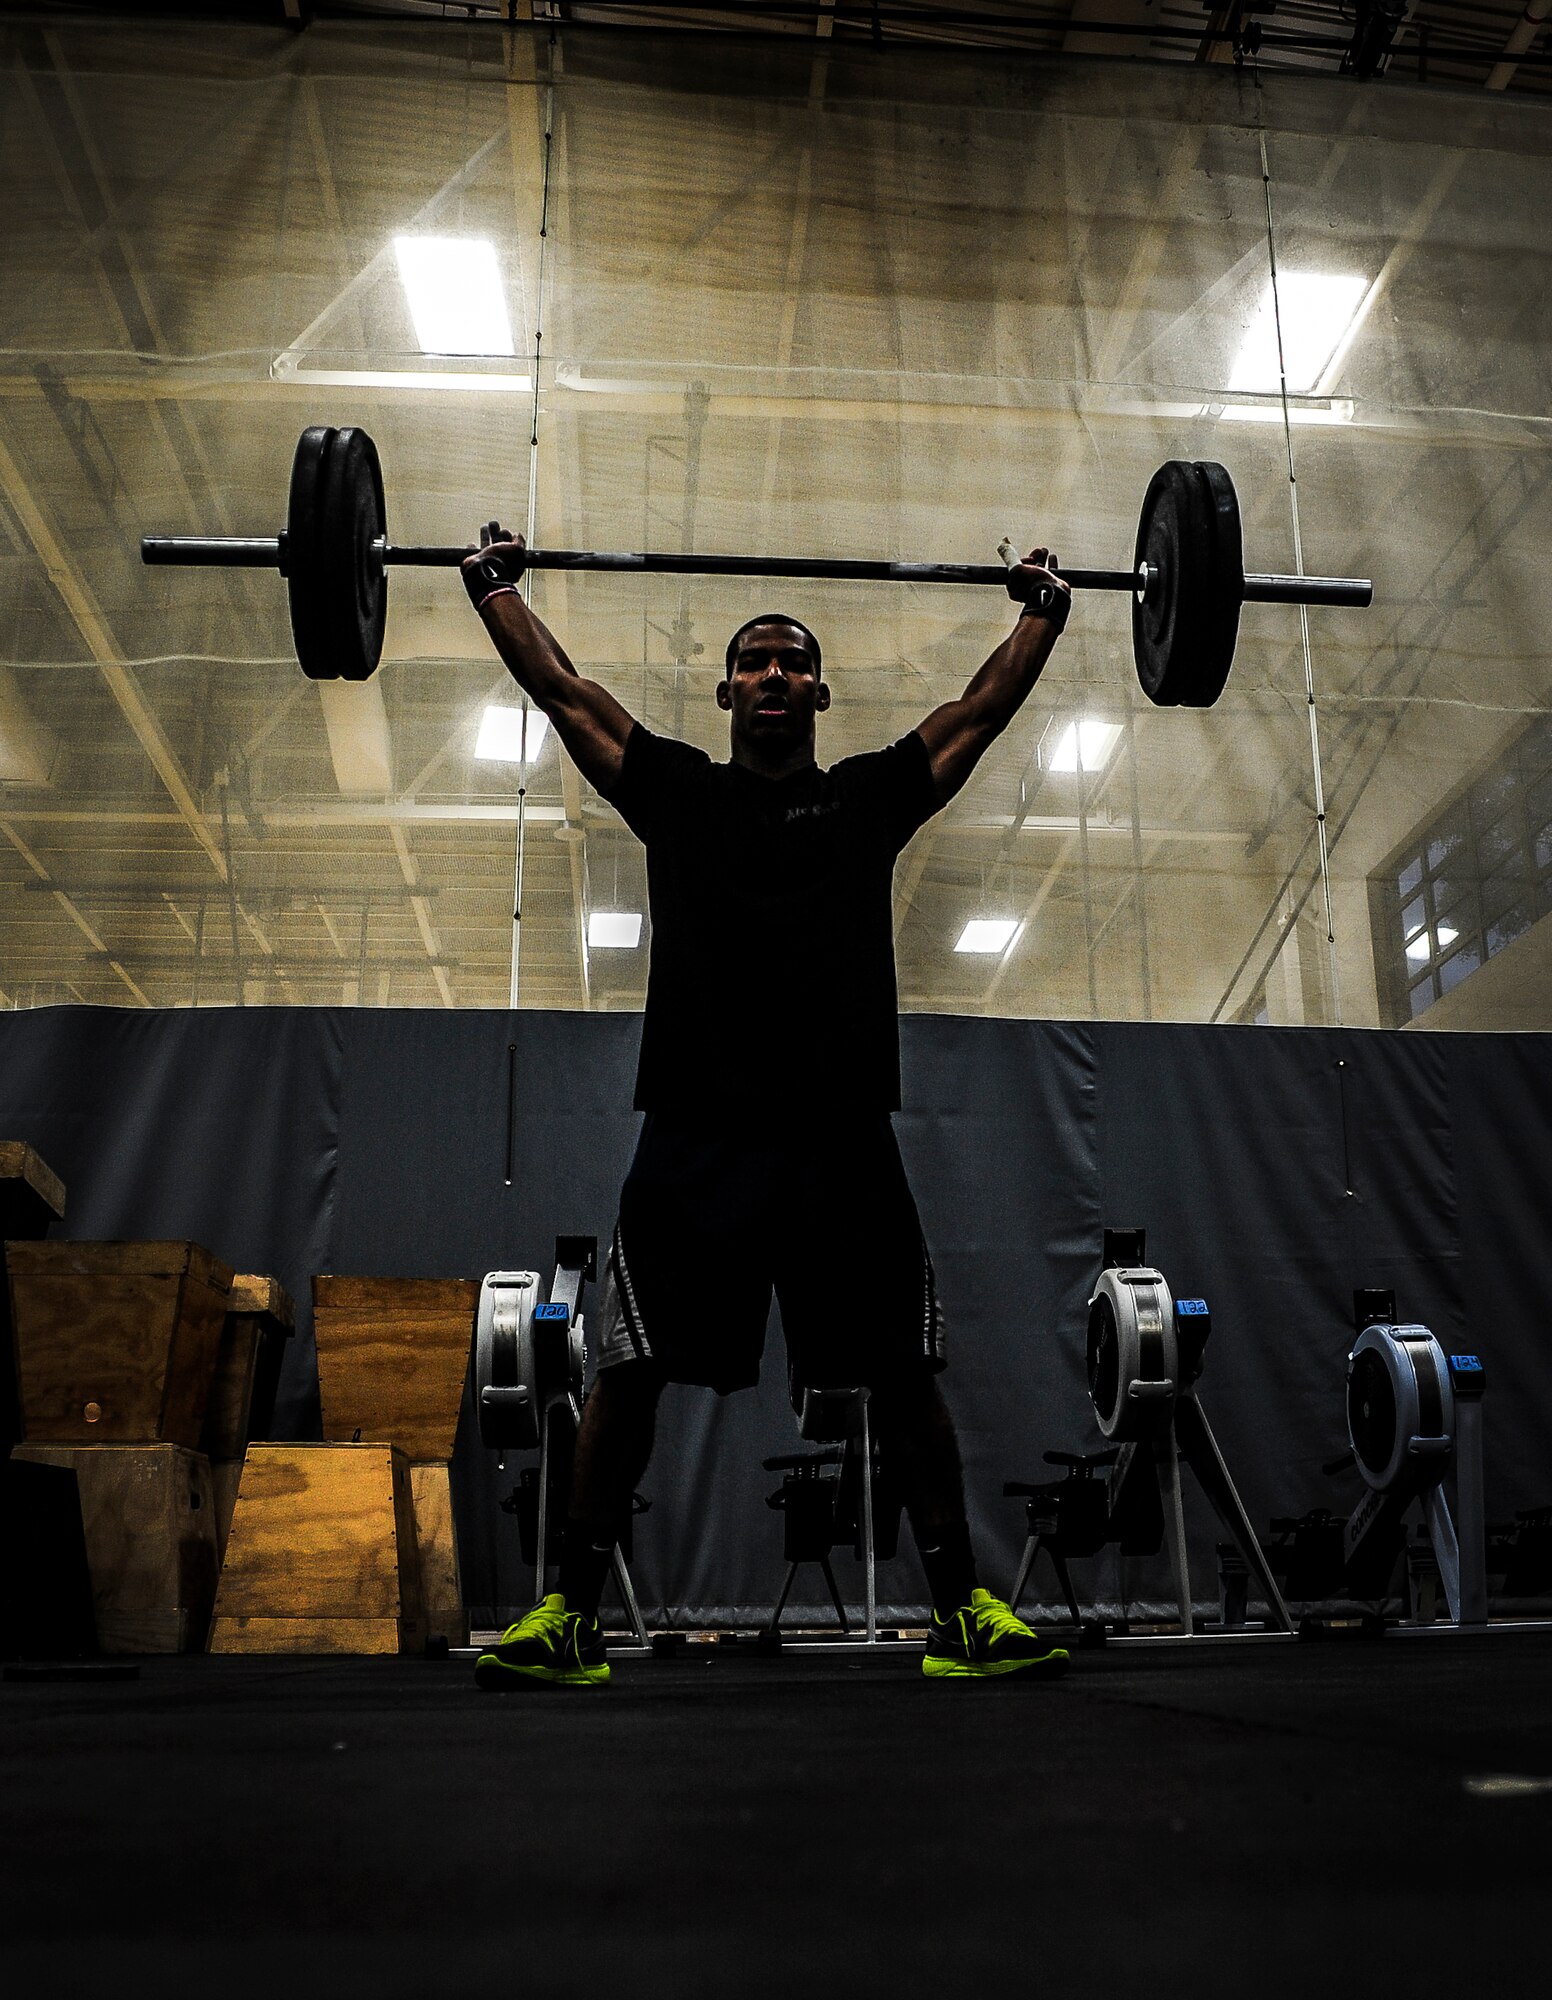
(586, 717)
(958, 734)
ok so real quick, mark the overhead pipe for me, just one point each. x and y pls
(1520, 38)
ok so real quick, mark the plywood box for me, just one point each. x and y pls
(225, 1477)
(149, 1521)
(115, 1342)
(31, 1197)
(31, 1194)
(441, 1579)
(45, 1585)
(392, 1357)
(260, 1319)
(322, 1555)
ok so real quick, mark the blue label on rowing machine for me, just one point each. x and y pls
(1192, 1308)
(1465, 1364)
(552, 1311)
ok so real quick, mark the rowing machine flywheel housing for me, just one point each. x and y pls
(1133, 1356)
(527, 1354)
(1400, 1405)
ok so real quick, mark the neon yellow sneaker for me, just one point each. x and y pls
(549, 1644)
(983, 1638)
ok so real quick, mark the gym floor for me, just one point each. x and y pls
(1261, 1817)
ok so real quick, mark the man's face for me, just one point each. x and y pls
(773, 690)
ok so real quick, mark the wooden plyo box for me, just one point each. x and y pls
(322, 1556)
(149, 1522)
(115, 1342)
(31, 1197)
(46, 1608)
(225, 1478)
(31, 1194)
(392, 1357)
(441, 1579)
(260, 1319)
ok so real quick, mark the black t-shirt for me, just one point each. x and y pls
(772, 982)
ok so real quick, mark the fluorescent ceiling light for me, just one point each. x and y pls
(1418, 949)
(614, 930)
(1330, 412)
(1317, 309)
(1446, 936)
(501, 735)
(453, 284)
(988, 934)
(1095, 740)
(466, 382)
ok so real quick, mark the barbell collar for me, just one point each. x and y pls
(213, 551)
(1355, 591)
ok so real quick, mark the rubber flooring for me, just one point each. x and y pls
(1263, 1820)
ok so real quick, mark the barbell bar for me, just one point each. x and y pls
(1187, 582)
(269, 552)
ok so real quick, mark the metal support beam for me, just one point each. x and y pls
(81, 602)
(1140, 14)
(422, 908)
(1524, 32)
(1217, 43)
(77, 595)
(73, 912)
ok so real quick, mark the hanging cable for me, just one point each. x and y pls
(532, 522)
(1298, 564)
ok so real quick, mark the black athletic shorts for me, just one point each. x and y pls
(715, 1216)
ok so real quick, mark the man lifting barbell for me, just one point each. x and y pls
(770, 1050)
(769, 1068)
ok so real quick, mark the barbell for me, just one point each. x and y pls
(1187, 582)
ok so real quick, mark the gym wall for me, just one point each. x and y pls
(1274, 1171)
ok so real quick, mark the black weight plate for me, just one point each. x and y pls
(1226, 590)
(338, 588)
(305, 584)
(1104, 1358)
(357, 520)
(1161, 616)
(1184, 629)
(1371, 1412)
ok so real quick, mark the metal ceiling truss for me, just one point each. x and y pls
(1487, 43)
(1496, 46)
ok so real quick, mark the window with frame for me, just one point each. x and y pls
(1470, 882)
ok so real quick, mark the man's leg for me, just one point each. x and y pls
(855, 1314)
(681, 1205)
(919, 1445)
(613, 1446)
(558, 1641)
(972, 1634)
(859, 1304)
